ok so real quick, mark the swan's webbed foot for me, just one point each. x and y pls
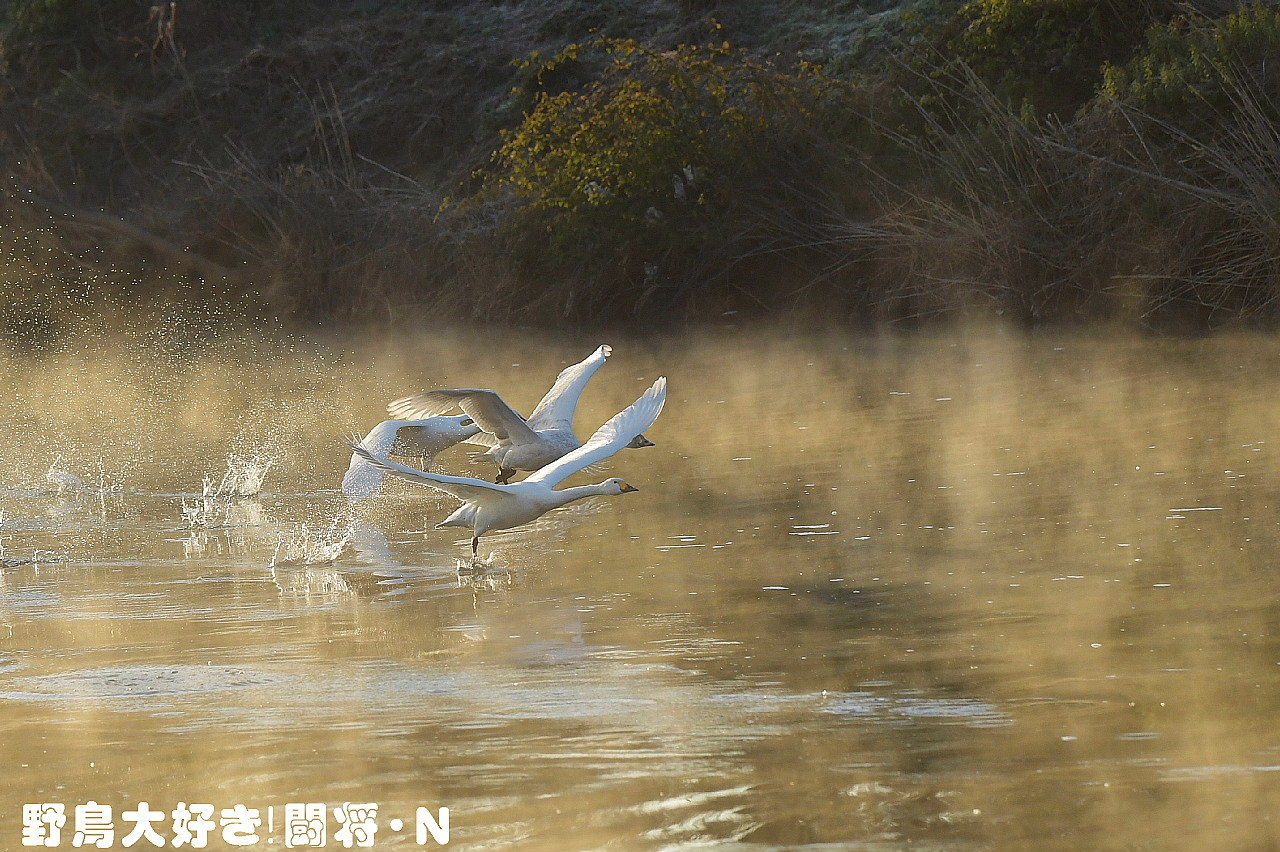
(504, 475)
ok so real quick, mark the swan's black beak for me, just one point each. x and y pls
(467, 421)
(641, 441)
(625, 487)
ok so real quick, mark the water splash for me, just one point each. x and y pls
(226, 527)
(37, 557)
(243, 478)
(308, 546)
(197, 514)
(210, 511)
(64, 481)
(220, 500)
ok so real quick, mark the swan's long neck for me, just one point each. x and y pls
(580, 492)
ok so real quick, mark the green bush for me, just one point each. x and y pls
(1196, 73)
(1049, 53)
(650, 151)
(1199, 110)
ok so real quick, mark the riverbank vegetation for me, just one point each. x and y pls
(656, 162)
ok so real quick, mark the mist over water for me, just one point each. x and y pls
(961, 591)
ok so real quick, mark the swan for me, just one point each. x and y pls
(423, 438)
(493, 506)
(516, 443)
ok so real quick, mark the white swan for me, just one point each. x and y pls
(516, 443)
(422, 438)
(490, 506)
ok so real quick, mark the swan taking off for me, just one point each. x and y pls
(516, 443)
(491, 506)
(423, 438)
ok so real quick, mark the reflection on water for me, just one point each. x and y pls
(976, 592)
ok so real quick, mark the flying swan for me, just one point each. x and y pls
(422, 438)
(491, 506)
(516, 443)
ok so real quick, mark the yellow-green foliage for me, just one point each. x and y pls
(1195, 73)
(1049, 52)
(658, 139)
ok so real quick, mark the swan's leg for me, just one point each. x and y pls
(505, 474)
(476, 565)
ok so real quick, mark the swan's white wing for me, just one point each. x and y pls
(463, 487)
(485, 407)
(363, 479)
(609, 438)
(430, 403)
(483, 439)
(557, 407)
(420, 406)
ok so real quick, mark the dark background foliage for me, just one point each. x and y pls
(651, 162)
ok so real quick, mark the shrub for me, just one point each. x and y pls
(1049, 52)
(1193, 73)
(648, 157)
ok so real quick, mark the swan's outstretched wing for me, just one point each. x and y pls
(483, 439)
(483, 406)
(463, 487)
(557, 407)
(420, 406)
(609, 438)
(362, 478)
(423, 438)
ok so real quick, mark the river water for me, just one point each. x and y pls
(959, 591)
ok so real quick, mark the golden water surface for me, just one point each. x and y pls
(969, 591)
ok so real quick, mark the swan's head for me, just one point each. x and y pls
(640, 441)
(616, 486)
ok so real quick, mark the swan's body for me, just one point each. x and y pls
(516, 443)
(422, 438)
(491, 506)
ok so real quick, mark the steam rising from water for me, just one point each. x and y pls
(955, 593)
